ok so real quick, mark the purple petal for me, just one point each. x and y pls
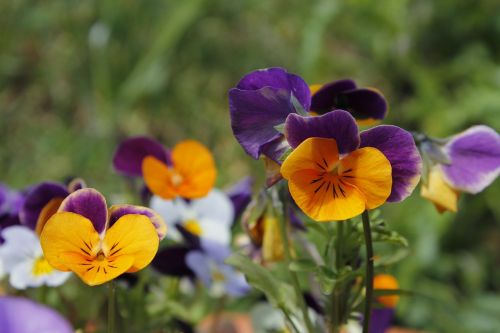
(199, 263)
(400, 149)
(37, 198)
(325, 99)
(218, 252)
(240, 195)
(20, 315)
(381, 320)
(277, 78)
(76, 184)
(235, 283)
(275, 149)
(117, 211)
(475, 159)
(254, 115)
(172, 261)
(89, 203)
(363, 104)
(130, 153)
(338, 125)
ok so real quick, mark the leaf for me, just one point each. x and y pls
(298, 107)
(303, 265)
(326, 279)
(280, 294)
(390, 292)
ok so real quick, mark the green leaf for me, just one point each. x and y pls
(326, 279)
(298, 107)
(389, 292)
(280, 294)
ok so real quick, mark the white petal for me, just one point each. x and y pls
(56, 278)
(21, 276)
(215, 231)
(21, 244)
(215, 206)
(170, 210)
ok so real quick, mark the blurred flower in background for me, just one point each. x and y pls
(11, 202)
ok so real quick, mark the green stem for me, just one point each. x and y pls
(111, 306)
(369, 272)
(293, 276)
(337, 313)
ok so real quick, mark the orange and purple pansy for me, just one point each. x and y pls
(335, 172)
(100, 244)
(43, 201)
(187, 171)
(466, 162)
(263, 99)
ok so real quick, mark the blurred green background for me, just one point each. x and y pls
(76, 77)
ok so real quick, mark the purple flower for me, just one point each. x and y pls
(10, 205)
(21, 315)
(467, 162)
(208, 266)
(365, 104)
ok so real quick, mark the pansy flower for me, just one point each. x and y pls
(335, 172)
(11, 202)
(23, 260)
(100, 244)
(188, 171)
(367, 105)
(43, 200)
(210, 217)
(263, 99)
(208, 265)
(467, 162)
(22, 315)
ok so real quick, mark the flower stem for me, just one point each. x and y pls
(369, 271)
(283, 221)
(111, 306)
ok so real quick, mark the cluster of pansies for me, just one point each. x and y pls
(320, 167)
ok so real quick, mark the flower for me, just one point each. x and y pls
(208, 265)
(43, 200)
(467, 162)
(10, 205)
(23, 260)
(335, 173)
(263, 99)
(210, 217)
(21, 315)
(381, 317)
(365, 104)
(188, 171)
(100, 244)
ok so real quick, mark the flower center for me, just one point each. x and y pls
(193, 227)
(217, 276)
(100, 256)
(176, 178)
(41, 267)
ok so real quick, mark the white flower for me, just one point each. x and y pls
(209, 217)
(23, 260)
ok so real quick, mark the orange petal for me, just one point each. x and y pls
(158, 177)
(68, 239)
(386, 281)
(370, 172)
(444, 197)
(47, 211)
(195, 165)
(314, 154)
(133, 236)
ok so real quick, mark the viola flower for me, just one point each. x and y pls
(467, 162)
(382, 316)
(208, 266)
(43, 200)
(261, 101)
(100, 244)
(210, 217)
(10, 205)
(188, 171)
(335, 172)
(367, 105)
(21, 315)
(23, 260)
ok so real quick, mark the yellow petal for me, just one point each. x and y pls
(47, 211)
(444, 197)
(159, 177)
(315, 154)
(370, 172)
(314, 88)
(196, 167)
(101, 269)
(272, 244)
(133, 236)
(67, 239)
